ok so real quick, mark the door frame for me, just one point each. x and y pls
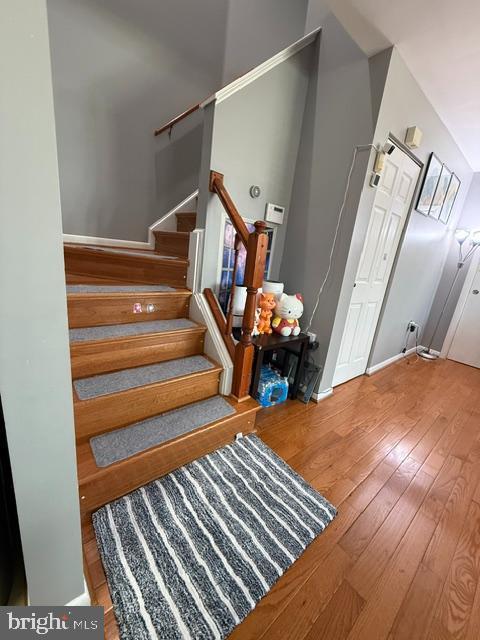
(462, 301)
(402, 147)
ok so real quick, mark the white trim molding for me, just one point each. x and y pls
(381, 365)
(195, 260)
(168, 222)
(259, 71)
(83, 600)
(322, 395)
(214, 344)
(106, 242)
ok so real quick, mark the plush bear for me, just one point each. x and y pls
(287, 312)
(267, 304)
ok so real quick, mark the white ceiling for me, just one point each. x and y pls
(439, 41)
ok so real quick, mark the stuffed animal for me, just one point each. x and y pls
(287, 312)
(267, 304)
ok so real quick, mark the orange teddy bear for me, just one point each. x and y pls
(267, 304)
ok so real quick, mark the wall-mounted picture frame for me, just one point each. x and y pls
(450, 198)
(440, 192)
(429, 185)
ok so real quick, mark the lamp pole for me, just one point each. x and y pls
(461, 236)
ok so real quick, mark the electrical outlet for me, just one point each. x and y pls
(312, 336)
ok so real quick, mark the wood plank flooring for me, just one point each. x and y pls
(398, 453)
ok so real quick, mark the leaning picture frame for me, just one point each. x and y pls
(440, 192)
(450, 198)
(429, 185)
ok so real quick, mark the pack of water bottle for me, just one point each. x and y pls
(272, 387)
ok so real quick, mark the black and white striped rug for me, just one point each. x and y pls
(191, 554)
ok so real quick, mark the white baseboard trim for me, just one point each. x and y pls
(381, 365)
(106, 242)
(214, 344)
(168, 222)
(83, 600)
(322, 395)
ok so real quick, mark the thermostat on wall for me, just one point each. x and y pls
(274, 213)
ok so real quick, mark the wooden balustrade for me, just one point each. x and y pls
(256, 244)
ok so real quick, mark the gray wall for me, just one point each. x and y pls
(426, 241)
(121, 70)
(257, 29)
(338, 116)
(469, 219)
(35, 378)
(250, 147)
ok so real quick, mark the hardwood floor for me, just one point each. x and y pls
(399, 455)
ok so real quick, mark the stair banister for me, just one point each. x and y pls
(171, 123)
(256, 247)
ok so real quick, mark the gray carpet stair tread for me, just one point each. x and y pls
(88, 334)
(124, 443)
(117, 381)
(120, 288)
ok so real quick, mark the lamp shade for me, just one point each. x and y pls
(461, 235)
(475, 237)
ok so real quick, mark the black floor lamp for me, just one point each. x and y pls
(461, 236)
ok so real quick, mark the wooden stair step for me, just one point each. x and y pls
(99, 485)
(143, 267)
(141, 392)
(155, 342)
(186, 220)
(95, 309)
(172, 243)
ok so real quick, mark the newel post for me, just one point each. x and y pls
(254, 273)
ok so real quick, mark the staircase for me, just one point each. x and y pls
(146, 396)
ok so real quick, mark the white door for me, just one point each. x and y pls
(466, 342)
(389, 212)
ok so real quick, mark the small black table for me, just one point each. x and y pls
(265, 344)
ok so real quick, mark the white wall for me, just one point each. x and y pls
(469, 219)
(35, 378)
(426, 241)
(251, 146)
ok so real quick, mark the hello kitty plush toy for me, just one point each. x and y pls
(287, 312)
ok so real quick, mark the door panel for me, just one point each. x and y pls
(389, 212)
(351, 327)
(370, 248)
(387, 253)
(466, 342)
(362, 342)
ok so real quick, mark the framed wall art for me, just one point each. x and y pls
(440, 192)
(450, 198)
(429, 186)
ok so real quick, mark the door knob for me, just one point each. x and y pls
(475, 292)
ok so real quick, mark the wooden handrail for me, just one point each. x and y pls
(217, 186)
(171, 123)
(256, 244)
(220, 321)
